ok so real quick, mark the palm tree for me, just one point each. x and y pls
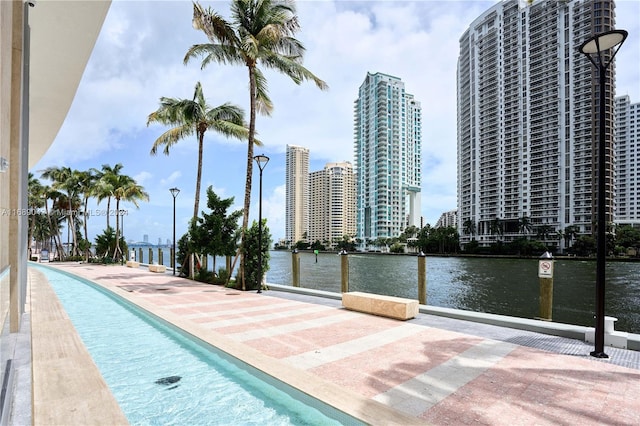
(524, 225)
(125, 189)
(104, 185)
(49, 193)
(34, 202)
(469, 227)
(68, 180)
(496, 227)
(87, 187)
(195, 116)
(260, 32)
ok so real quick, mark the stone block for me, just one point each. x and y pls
(157, 268)
(376, 304)
(133, 264)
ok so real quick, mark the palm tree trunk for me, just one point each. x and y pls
(247, 189)
(86, 234)
(54, 232)
(117, 250)
(196, 203)
(108, 210)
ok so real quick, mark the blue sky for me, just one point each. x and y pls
(138, 59)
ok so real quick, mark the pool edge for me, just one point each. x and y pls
(359, 407)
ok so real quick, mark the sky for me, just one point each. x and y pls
(138, 58)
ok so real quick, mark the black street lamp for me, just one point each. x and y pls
(262, 161)
(595, 49)
(174, 191)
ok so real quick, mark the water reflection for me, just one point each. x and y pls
(500, 286)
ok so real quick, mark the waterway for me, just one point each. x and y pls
(492, 285)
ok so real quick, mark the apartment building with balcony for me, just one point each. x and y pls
(387, 151)
(627, 117)
(332, 205)
(296, 193)
(527, 120)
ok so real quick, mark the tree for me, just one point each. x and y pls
(63, 178)
(544, 231)
(496, 227)
(195, 116)
(86, 187)
(250, 249)
(215, 233)
(35, 201)
(125, 188)
(104, 186)
(260, 32)
(524, 225)
(628, 237)
(469, 227)
(585, 245)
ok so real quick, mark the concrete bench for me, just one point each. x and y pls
(157, 268)
(133, 264)
(386, 306)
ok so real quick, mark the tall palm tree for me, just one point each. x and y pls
(125, 189)
(261, 32)
(54, 224)
(87, 188)
(195, 116)
(104, 185)
(34, 202)
(66, 179)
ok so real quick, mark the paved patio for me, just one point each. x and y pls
(396, 372)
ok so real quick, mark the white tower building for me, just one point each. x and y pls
(297, 193)
(527, 121)
(388, 160)
(627, 158)
(332, 210)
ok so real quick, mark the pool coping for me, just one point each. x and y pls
(67, 386)
(350, 403)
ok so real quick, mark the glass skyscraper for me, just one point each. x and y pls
(388, 138)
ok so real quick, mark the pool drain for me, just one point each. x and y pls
(166, 381)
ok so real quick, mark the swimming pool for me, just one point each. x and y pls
(159, 375)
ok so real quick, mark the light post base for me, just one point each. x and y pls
(597, 354)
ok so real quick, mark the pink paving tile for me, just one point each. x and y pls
(317, 338)
(377, 370)
(265, 324)
(544, 394)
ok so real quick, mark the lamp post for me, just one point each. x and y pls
(262, 161)
(174, 191)
(121, 213)
(594, 49)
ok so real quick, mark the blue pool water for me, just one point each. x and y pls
(159, 376)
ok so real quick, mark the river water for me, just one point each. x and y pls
(492, 285)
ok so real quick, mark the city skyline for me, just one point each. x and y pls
(135, 62)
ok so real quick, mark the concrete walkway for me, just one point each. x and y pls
(426, 370)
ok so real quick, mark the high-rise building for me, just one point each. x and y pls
(527, 120)
(297, 194)
(627, 158)
(332, 205)
(388, 139)
(145, 238)
(447, 219)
